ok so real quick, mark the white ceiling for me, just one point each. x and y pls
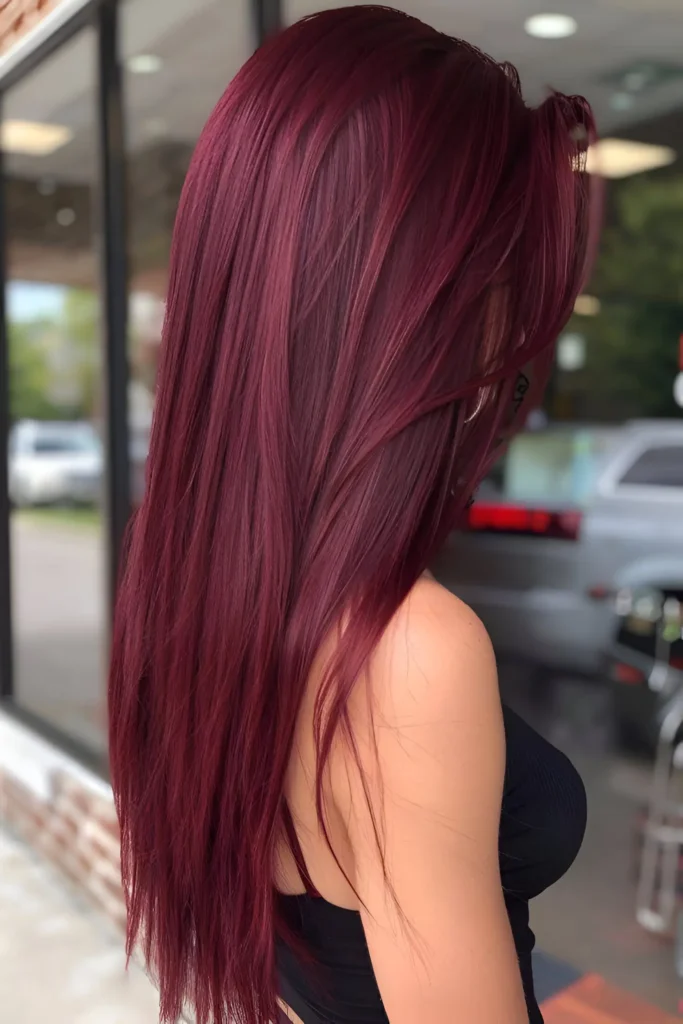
(203, 42)
(612, 33)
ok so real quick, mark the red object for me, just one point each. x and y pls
(486, 518)
(592, 1000)
(627, 674)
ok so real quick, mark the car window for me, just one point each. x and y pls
(66, 443)
(553, 468)
(657, 467)
(53, 446)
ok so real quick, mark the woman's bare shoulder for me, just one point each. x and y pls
(435, 656)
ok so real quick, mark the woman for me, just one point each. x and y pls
(376, 246)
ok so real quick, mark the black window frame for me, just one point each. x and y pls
(62, 25)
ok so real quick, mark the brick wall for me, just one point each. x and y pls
(64, 812)
(17, 17)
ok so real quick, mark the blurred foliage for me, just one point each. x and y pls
(633, 343)
(54, 364)
(81, 327)
(29, 374)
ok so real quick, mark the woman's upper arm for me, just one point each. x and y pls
(433, 756)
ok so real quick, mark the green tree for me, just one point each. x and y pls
(29, 374)
(80, 324)
(632, 345)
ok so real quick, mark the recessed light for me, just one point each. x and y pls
(620, 158)
(30, 138)
(144, 64)
(66, 217)
(551, 26)
(622, 101)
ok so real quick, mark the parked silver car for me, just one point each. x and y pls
(52, 463)
(570, 517)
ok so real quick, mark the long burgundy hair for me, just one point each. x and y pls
(375, 234)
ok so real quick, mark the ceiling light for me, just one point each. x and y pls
(620, 158)
(587, 305)
(30, 138)
(551, 26)
(66, 217)
(144, 64)
(622, 101)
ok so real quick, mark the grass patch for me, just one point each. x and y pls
(76, 517)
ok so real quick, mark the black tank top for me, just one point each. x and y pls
(543, 820)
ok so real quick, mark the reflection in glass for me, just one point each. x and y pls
(55, 450)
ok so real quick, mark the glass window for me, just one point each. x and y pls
(178, 59)
(49, 134)
(657, 467)
(549, 468)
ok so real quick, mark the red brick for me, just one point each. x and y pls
(70, 812)
(63, 833)
(19, 16)
(101, 842)
(77, 830)
(108, 896)
(69, 791)
(111, 873)
(65, 827)
(111, 828)
(76, 867)
(104, 812)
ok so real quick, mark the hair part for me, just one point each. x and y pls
(360, 192)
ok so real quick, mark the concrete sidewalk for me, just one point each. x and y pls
(60, 960)
(62, 963)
